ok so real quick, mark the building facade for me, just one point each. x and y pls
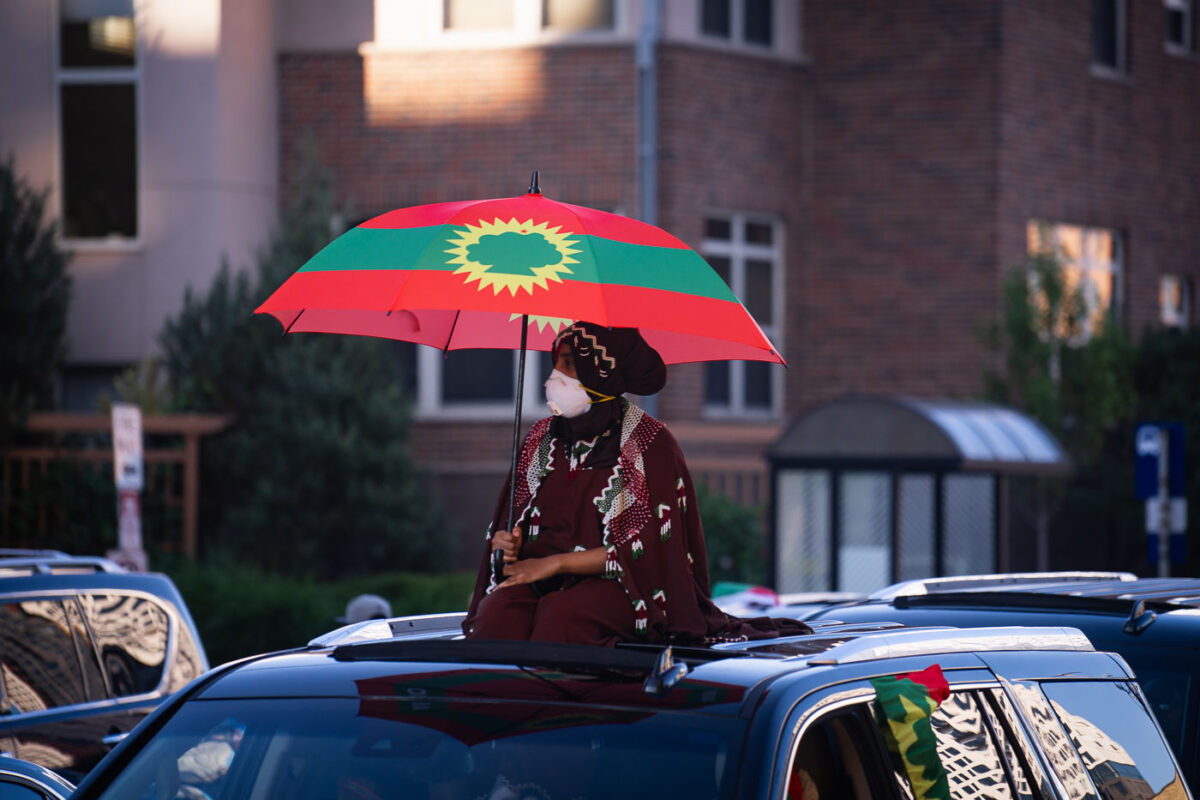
(864, 174)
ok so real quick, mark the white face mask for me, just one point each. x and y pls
(566, 396)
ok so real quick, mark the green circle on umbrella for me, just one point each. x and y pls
(514, 253)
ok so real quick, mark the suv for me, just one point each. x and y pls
(1153, 623)
(407, 708)
(86, 651)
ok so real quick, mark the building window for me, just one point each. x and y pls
(747, 253)
(479, 384)
(1175, 301)
(474, 15)
(1090, 259)
(577, 15)
(1108, 35)
(1178, 25)
(739, 21)
(97, 84)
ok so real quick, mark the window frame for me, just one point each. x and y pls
(431, 406)
(1115, 268)
(1179, 318)
(529, 24)
(737, 27)
(1121, 42)
(1187, 9)
(84, 76)
(739, 251)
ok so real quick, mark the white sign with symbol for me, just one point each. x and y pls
(127, 446)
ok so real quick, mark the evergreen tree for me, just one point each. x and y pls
(313, 477)
(35, 292)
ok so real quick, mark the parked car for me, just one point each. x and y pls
(1153, 623)
(87, 650)
(407, 708)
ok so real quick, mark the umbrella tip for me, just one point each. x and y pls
(533, 183)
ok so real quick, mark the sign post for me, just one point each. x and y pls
(128, 474)
(1161, 484)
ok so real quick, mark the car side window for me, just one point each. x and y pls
(1061, 756)
(131, 638)
(1115, 735)
(976, 751)
(839, 756)
(967, 749)
(38, 661)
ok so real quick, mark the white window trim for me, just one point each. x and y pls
(1121, 70)
(737, 29)
(1181, 318)
(99, 75)
(527, 28)
(738, 251)
(1187, 8)
(430, 405)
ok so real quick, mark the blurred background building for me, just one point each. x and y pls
(864, 174)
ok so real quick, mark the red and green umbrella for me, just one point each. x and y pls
(511, 273)
(467, 274)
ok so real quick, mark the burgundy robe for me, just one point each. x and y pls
(643, 511)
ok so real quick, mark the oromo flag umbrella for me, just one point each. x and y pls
(510, 273)
(464, 274)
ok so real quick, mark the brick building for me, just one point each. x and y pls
(864, 173)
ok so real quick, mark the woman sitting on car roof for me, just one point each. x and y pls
(607, 544)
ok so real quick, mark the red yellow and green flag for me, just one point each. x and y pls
(464, 274)
(906, 703)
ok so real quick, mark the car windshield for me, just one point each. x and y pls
(294, 749)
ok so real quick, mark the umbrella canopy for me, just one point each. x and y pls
(466, 274)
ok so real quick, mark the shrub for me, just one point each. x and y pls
(313, 476)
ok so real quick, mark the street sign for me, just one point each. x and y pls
(1147, 448)
(1160, 481)
(127, 446)
(128, 474)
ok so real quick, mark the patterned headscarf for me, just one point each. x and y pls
(613, 360)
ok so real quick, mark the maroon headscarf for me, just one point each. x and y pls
(613, 360)
(610, 361)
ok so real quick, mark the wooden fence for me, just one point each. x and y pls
(73, 438)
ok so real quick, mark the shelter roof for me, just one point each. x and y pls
(898, 432)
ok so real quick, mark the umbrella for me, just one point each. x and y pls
(512, 272)
(464, 274)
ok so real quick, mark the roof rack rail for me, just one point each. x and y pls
(411, 628)
(965, 583)
(921, 642)
(52, 562)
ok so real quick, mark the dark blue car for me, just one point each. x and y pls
(406, 708)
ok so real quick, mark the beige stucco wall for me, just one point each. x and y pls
(207, 158)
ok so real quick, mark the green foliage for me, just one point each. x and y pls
(313, 477)
(67, 505)
(734, 536)
(35, 292)
(241, 610)
(1080, 387)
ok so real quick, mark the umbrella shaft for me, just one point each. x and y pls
(512, 487)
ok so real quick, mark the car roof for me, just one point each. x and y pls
(429, 653)
(1101, 604)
